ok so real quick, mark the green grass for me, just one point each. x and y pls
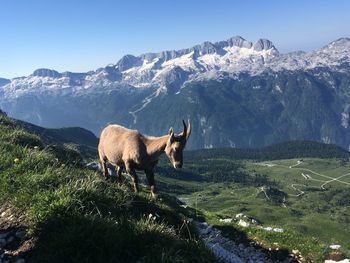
(76, 216)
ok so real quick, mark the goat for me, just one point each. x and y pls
(130, 150)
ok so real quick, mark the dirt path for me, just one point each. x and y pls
(308, 177)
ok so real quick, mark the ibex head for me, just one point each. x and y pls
(176, 144)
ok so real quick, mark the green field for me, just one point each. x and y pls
(308, 198)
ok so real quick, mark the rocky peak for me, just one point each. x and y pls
(128, 61)
(239, 41)
(44, 72)
(341, 43)
(206, 47)
(263, 44)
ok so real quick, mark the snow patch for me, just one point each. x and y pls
(186, 62)
(202, 121)
(326, 139)
(278, 88)
(146, 101)
(190, 100)
(345, 119)
(232, 144)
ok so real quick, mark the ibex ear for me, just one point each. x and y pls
(171, 133)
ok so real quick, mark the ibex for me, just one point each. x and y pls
(130, 150)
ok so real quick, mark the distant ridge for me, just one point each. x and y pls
(75, 135)
(278, 151)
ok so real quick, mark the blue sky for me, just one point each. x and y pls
(82, 35)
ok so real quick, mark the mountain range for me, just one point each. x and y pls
(236, 93)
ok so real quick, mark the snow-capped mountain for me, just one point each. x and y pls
(233, 56)
(135, 86)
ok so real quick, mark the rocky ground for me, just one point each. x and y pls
(230, 251)
(15, 243)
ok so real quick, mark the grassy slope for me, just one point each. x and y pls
(75, 135)
(84, 140)
(78, 217)
(311, 222)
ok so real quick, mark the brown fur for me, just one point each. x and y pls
(128, 149)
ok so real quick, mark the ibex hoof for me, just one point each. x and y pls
(154, 196)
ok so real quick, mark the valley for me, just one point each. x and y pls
(307, 198)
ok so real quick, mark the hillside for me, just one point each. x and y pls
(46, 192)
(74, 135)
(81, 139)
(237, 94)
(55, 210)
